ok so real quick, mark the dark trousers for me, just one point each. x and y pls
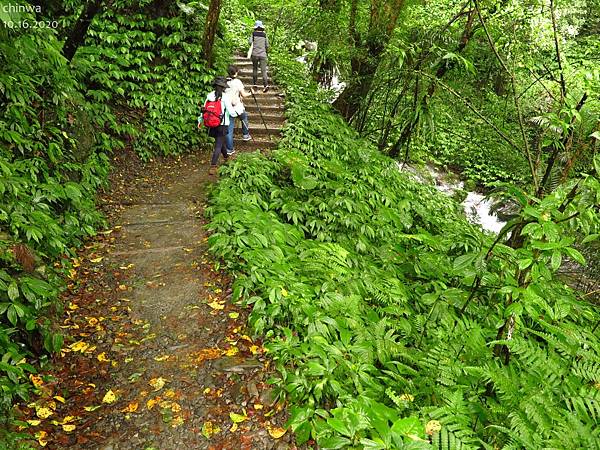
(263, 69)
(220, 147)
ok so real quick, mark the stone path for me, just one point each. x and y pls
(271, 106)
(156, 356)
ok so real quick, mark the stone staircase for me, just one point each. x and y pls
(271, 105)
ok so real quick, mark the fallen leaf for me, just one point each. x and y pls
(208, 429)
(59, 398)
(92, 321)
(258, 406)
(79, 346)
(150, 403)
(157, 383)
(238, 418)
(34, 422)
(68, 427)
(232, 351)
(109, 397)
(36, 380)
(234, 315)
(92, 408)
(255, 349)
(433, 426)
(41, 438)
(216, 305)
(122, 287)
(177, 421)
(234, 427)
(97, 260)
(275, 432)
(102, 357)
(43, 412)
(161, 358)
(131, 408)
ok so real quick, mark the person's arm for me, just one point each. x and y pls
(242, 90)
(266, 42)
(228, 106)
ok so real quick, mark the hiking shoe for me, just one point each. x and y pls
(230, 152)
(246, 137)
(212, 170)
(266, 89)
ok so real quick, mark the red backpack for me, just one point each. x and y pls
(212, 113)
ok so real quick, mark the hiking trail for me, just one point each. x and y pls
(155, 355)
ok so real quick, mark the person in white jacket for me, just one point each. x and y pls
(220, 132)
(237, 92)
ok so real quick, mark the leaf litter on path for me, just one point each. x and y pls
(139, 369)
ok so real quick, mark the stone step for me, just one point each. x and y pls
(269, 109)
(256, 129)
(274, 119)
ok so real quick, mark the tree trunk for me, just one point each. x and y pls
(77, 34)
(367, 52)
(210, 30)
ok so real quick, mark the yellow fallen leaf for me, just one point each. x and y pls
(255, 349)
(122, 287)
(150, 403)
(161, 358)
(231, 351)
(34, 422)
(97, 260)
(169, 393)
(177, 421)
(206, 391)
(157, 383)
(132, 407)
(92, 408)
(238, 418)
(92, 321)
(258, 406)
(68, 427)
(433, 426)
(36, 380)
(73, 306)
(234, 427)
(79, 346)
(216, 305)
(234, 315)
(59, 398)
(43, 412)
(208, 429)
(70, 419)
(275, 432)
(41, 438)
(109, 397)
(102, 357)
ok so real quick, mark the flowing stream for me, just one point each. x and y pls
(477, 208)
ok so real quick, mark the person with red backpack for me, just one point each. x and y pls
(216, 115)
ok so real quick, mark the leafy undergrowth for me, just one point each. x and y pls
(363, 281)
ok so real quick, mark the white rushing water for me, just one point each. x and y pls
(478, 208)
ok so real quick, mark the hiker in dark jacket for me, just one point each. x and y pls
(260, 45)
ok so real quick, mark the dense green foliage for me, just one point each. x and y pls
(384, 304)
(136, 81)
